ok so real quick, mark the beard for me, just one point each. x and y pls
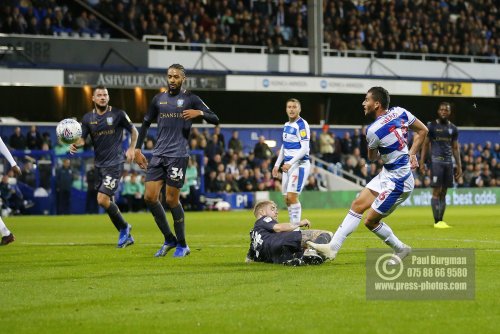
(101, 108)
(442, 120)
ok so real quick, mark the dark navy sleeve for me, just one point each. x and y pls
(454, 136)
(85, 126)
(126, 122)
(152, 113)
(208, 115)
(266, 223)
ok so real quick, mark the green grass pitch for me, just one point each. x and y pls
(64, 275)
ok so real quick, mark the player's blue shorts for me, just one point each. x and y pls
(108, 179)
(170, 170)
(442, 174)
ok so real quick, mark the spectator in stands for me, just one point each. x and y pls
(314, 147)
(34, 139)
(311, 184)
(235, 143)
(246, 182)
(214, 147)
(211, 184)
(133, 190)
(230, 185)
(12, 197)
(262, 150)
(17, 141)
(28, 176)
(220, 137)
(326, 144)
(64, 181)
(347, 143)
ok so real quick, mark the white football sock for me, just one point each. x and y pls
(4, 231)
(295, 213)
(349, 225)
(384, 232)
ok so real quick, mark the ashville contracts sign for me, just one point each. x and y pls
(142, 80)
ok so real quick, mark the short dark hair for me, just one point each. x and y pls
(381, 95)
(98, 87)
(295, 101)
(445, 103)
(178, 67)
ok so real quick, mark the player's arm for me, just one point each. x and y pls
(372, 142)
(420, 133)
(200, 109)
(423, 153)
(6, 153)
(279, 160)
(373, 154)
(73, 148)
(152, 114)
(456, 154)
(287, 227)
(134, 134)
(139, 158)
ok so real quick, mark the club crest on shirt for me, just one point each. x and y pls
(180, 103)
(268, 219)
(109, 120)
(450, 131)
(303, 133)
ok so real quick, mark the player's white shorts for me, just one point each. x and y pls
(393, 188)
(295, 179)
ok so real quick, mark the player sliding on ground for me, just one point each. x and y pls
(281, 243)
(387, 140)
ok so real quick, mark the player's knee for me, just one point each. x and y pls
(172, 202)
(103, 201)
(358, 206)
(150, 199)
(370, 223)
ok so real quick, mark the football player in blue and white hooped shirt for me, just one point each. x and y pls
(387, 139)
(294, 153)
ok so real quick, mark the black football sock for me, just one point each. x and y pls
(442, 208)
(161, 220)
(435, 209)
(179, 226)
(116, 216)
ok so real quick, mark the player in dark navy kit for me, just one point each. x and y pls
(274, 242)
(105, 125)
(173, 111)
(443, 142)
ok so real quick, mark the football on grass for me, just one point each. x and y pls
(69, 131)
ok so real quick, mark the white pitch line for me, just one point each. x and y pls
(441, 239)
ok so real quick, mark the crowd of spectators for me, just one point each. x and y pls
(480, 162)
(462, 27)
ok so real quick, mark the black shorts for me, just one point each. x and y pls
(108, 179)
(283, 246)
(442, 174)
(170, 170)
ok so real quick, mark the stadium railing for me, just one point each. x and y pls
(155, 43)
